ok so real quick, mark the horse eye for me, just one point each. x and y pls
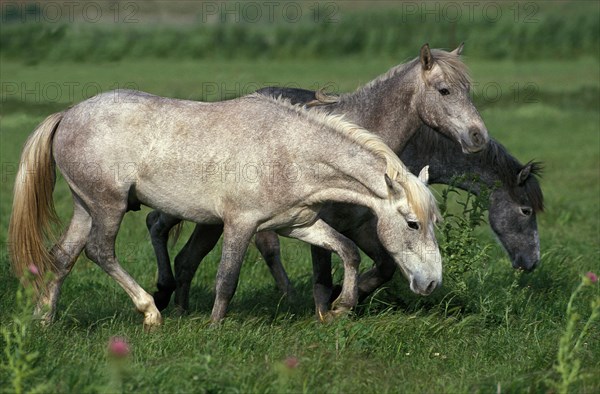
(444, 92)
(413, 225)
(526, 211)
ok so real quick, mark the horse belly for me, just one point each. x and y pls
(294, 217)
(179, 198)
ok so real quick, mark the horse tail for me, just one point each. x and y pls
(175, 232)
(33, 212)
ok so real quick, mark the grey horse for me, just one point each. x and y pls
(207, 164)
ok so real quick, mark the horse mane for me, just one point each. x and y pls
(507, 168)
(456, 72)
(418, 194)
(494, 156)
(453, 67)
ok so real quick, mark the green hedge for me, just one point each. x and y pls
(556, 30)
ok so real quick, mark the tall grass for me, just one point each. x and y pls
(482, 334)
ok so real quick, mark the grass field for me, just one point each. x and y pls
(501, 335)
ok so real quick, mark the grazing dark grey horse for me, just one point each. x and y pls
(207, 164)
(515, 201)
(516, 196)
(394, 106)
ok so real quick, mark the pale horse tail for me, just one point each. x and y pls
(33, 213)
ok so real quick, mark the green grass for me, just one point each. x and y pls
(504, 335)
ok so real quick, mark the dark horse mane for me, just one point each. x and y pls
(494, 156)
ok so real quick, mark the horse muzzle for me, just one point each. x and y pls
(476, 140)
(424, 286)
(522, 263)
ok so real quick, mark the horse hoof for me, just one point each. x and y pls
(149, 329)
(152, 321)
(341, 311)
(290, 295)
(215, 325)
(326, 317)
(216, 322)
(332, 315)
(180, 311)
(342, 305)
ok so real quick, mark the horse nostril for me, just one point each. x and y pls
(431, 287)
(476, 136)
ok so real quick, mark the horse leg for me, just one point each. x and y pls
(322, 235)
(100, 248)
(65, 253)
(322, 280)
(236, 237)
(372, 279)
(159, 225)
(267, 243)
(384, 265)
(201, 242)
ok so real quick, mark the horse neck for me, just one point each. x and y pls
(385, 107)
(354, 178)
(446, 161)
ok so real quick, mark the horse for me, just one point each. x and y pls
(432, 89)
(204, 162)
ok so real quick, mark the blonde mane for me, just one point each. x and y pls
(456, 72)
(453, 67)
(418, 194)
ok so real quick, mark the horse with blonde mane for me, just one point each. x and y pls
(204, 162)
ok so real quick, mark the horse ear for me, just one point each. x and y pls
(388, 181)
(458, 51)
(426, 59)
(524, 174)
(424, 175)
(392, 188)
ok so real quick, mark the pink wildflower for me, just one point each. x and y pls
(592, 277)
(33, 269)
(291, 362)
(118, 347)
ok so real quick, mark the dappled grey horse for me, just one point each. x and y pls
(204, 162)
(432, 89)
